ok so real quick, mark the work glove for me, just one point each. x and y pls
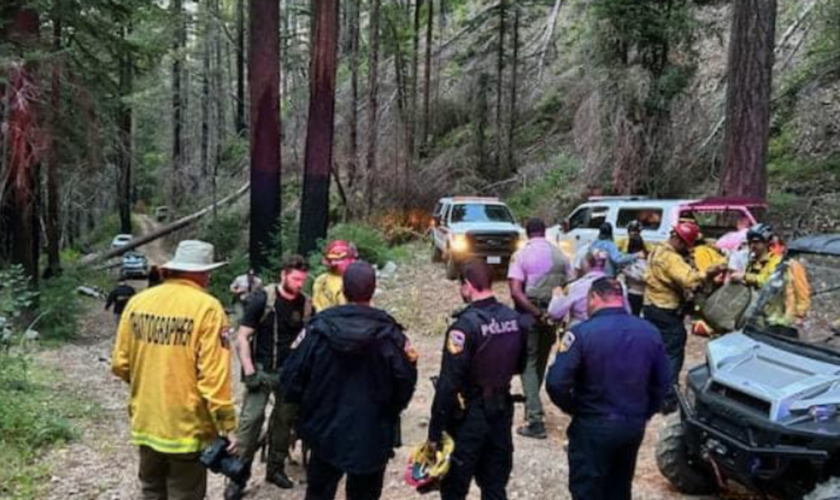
(252, 382)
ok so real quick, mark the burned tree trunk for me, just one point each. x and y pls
(751, 56)
(427, 77)
(315, 202)
(264, 82)
(22, 144)
(178, 44)
(124, 150)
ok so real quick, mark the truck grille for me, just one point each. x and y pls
(742, 398)
(493, 243)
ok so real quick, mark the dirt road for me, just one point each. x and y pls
(156, 251)
(102, 465)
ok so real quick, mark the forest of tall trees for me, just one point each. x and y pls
(114, 108)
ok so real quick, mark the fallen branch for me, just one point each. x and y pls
(165, 230)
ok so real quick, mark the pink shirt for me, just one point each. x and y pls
(532, 262)
(731, 242)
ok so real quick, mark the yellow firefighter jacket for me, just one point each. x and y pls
(669, 278)
(328, 291)
(169, 349)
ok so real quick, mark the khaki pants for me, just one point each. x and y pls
(167, 476)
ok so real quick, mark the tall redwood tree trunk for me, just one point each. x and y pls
(178, 44)
(750, 68)
(53, 223)
(315, 203)
(353, 165)
(241, 125)
(373, 104)
(263, 83)
(427, 77)
(22, 160)
(124, 148)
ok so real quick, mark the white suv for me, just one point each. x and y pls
(715, 216)
(474, 227)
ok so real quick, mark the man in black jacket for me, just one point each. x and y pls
(119, 297)
(353, 372)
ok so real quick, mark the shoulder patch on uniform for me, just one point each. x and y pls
(566, 342)
(299, 339)
(455, 342)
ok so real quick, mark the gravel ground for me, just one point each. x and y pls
(102, 465)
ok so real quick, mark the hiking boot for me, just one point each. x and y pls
(533, 431)
(279, 479)
(234, 491)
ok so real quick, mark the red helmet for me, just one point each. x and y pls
(340, 249)
(688, 232)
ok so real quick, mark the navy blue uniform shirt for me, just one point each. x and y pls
(485, 348)
(613, 365)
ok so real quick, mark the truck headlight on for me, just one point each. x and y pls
(520, 243)
(459, 243)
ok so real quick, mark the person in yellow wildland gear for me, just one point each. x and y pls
(670, 282)
(170, 351)
(328, 289)
(762, 261)
(790, 301)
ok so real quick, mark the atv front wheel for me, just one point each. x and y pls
(677, 464)
(828, 490)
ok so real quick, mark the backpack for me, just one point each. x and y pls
(541, 292)
(726, 306)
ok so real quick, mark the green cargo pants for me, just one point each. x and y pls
(169, 476)
(541, 338)
(281, 422)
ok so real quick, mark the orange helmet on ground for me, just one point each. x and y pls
(688, 232)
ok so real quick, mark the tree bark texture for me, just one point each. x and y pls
(264, 81)
(427, 78)
(241, 126)
(124, 149)
(373, 104)
(750, 70)
(500, 78)
(353, 164)
(53, 222)
(510, 163)
(318, 157)
(206, 55)
(178, 44)
(23, 144)
(415, 76)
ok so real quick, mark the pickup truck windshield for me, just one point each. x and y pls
(479, 212)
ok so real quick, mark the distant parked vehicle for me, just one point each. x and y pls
(715, 216)
(162, 213)
(134, 265)
(120, 240)
(468, 227)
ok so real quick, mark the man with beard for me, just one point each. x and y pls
(272, 320)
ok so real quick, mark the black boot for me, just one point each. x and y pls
(534, 431)
(234, 490)
(278, 478)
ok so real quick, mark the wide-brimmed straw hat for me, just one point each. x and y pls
(193, 256)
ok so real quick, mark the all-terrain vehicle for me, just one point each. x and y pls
(764, 410)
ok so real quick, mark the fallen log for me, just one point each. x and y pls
(165, 230)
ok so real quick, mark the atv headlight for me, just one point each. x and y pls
(691, 398)
(823, 413)
(459, 243)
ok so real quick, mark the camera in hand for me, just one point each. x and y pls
(219, 461)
